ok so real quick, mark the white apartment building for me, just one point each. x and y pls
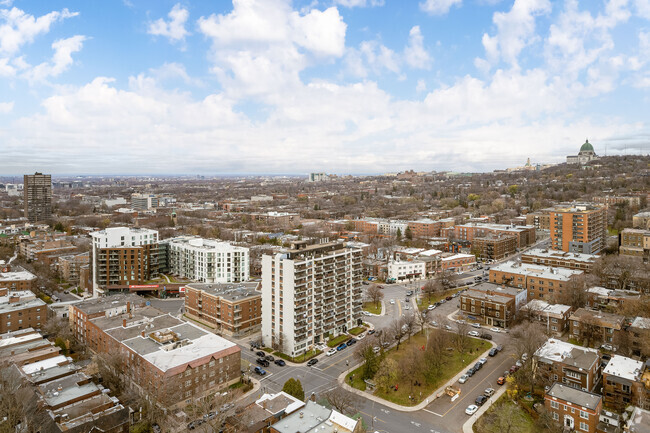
(143, 201)
(400, 270)
(112, 249)
(207, 260)
(309, 292)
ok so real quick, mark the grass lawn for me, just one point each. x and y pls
(520, 420)
(300, 358)
(356, 331)
(371, 307)
(454, 364)
(338, 340)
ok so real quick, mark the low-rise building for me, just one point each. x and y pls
(70, 265)
(559, 259)
(542, 282)
(491, 304)
(17, 279)
(555, 317)
(316, 418)
(525, 235)
(21, 309)
(170, 361)
(641, 220)
(566, 363)
(633, 242)
(455, 262)
(600, 298)
(494, 246)
(573, 408)
(639, 331)
(592, 327)
(232, 309)
(626, 382)
(257, 417)
(406, 270)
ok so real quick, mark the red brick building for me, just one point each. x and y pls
(573, 408)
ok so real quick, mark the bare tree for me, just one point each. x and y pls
(342, 400)
(574, 293)
(527, 337)
(435, 354)
(18, 411)
(461, 339)
(375, 294)
(432, 287)
(409, 323)
(398, 330)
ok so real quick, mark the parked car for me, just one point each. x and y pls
(365, 283)
(434, 323)
(311, 362)
(608, 347)
(471, 409)
(463, 378)
(514, 368)
(519, 364)
(501, 380)
(407, 307)
(448, 298)
(480, 400)
(350, 342)
(361, 336)
(392, 301)
(493, 352)
(483, 361)
(280, 362)
(470, 372)
(499, 348)
(263, 362)
(489, 392)
(372, 331)
(376, 349)
(260, 354)
(486, 336)
(476, 325)
(448, 328)
(431, 307)
(473, 334)
(495, 329)
(260, 371)
(331, 352)
(461, 321)
(341, 347)
(524, 357)
(269, 358)
(409, 293)
(477, 366)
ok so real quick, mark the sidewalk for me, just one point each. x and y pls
(468, 427)
(424, 403)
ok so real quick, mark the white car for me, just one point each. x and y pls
(407, 307)
(361, 336)
(431, 307)
(331, 352)
(434, 323)
(392, 301)
(448, 328)
(476, 325)
(471, 409)
(473, 334)
(495, 330)
(463, 378)
(483, 361)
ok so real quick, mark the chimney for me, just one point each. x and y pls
(301, 414)
(142, 333)
(124, 323)
(13, 299)
(128, 307)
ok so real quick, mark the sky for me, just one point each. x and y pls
(336, 86)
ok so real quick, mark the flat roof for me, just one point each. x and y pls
(599, 316)
(503, 290)
(567, 353)
(624, 367)
(16, 276)
(538, 305)
(97, 305)
(555, 254)
(575, 396)
(229, 291)
(539, 271)
(45, 364)
(31, 301)
(310, 416)
(641, 322)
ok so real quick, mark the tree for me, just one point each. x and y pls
(398, 330)
(409, 323)
(503, 418)
(17, 404)
(411, 366)
(574, 293)
(386, 376)
(447, 279)
(432, 287)
(294, 387)
(342, 400)
(408, 233)
(371, 360)
(527, 337)
(399, 233)
(461, 339)
(375, 294)
(435, 354)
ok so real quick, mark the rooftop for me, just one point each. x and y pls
(98, 305)
(16, 276)
(27, 300)
(624, 367)
(641, 322)
(315, 418)
(538, 305)
(554, 254)
(574, 395)
(567, 353)
(230, 292)
(604, 319)
(538, 271)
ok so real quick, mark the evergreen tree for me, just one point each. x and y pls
(294, 387)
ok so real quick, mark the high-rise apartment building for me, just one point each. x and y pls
(123, 256)
(581, 228)
(206, 260)
(37, 192)
(309, 292)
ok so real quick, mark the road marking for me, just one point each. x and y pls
(437, 414)
(417, 424)
(376, 419)
(340, 360)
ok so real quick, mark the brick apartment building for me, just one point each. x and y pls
(596, 326)
(559, 259)
(525, 235)
(425, 228)
(600, 298)
(21, 309)
(494, 247)
(641, 220)
(28, 347)
(69, 266)
(568, 364)
(573, 408)
(581, 228)
(540, 220)
(232, 309)
(491, 304)
(17, 279)
(639, 331)
(46, 251)
(554, 317)
(169, 360)
(626, 382)
(634, 243)
(542, 282)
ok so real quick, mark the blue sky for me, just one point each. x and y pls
(341, 86)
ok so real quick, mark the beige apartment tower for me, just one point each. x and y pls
(37, 192)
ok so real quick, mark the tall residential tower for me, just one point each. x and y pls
(37, 192)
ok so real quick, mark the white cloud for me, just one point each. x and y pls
(421, 86)
(174, 29)
(262, 45)
(6, 107)
(515, 30)
(359, 3)
(643, 8)
(439, 7)
(61, 59)
(18, 28)
(415, 54)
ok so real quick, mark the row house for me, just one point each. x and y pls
(600, 298)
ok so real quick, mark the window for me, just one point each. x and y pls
(555, 404)
(584, 426)
(584, 414)
(556, 417)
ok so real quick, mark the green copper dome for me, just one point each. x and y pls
(587, 147)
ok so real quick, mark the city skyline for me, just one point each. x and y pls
(338, 86)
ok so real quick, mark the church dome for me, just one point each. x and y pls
(587, 147)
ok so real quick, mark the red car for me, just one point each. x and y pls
(501, 380)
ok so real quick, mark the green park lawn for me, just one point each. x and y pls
(453, 365)
(518, 419)
(371, 307)
(338, 340)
